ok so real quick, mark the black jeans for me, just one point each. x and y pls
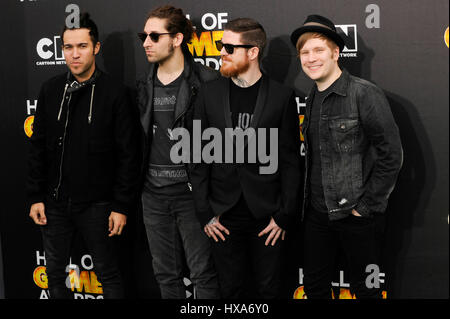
(92, 222)
(356, 236)
(243, 259)
(175, 236)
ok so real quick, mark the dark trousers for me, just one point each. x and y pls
(176, 238)
(357, 238)
(243, 255)
(92, 222)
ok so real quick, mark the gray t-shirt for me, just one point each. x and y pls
(163, 176)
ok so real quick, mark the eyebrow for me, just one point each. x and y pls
(314, 48)
(76, 44)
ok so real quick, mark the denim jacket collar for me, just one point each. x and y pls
(340, 86)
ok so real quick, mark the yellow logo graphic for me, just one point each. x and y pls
(446, 37)
(205, 45)
(301, 118)
(85, 281)
(28, 125)
(40, 277)
(343, 294)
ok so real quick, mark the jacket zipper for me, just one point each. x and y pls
(194, 92)
(62, 152)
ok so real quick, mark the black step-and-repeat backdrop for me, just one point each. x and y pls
(402, 46)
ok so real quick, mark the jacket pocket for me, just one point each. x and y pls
(343, 132)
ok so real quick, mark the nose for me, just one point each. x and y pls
(223, 52)
(76, 52)
(147, 42)
(311, 57)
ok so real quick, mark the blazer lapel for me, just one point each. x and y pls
(260, 102)
(226, 104)
(259, 107)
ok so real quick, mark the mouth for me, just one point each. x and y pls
(314, 67)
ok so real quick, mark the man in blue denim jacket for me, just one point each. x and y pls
(353, 157)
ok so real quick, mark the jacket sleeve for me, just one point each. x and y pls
(199, 173)
(126, 148)
(37, 174)
(382, 131)
(289, 165)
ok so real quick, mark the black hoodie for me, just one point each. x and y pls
(85, 144)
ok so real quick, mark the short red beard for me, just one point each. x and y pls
(233, 69)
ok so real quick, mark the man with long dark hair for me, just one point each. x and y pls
(165, 97)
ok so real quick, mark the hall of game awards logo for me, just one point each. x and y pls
(203, 44)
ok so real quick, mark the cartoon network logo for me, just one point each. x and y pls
(350, 35)
(50, 51)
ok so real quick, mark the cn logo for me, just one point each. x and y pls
(349, 34)
(47, 48)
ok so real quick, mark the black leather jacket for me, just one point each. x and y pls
(194, 74)
(360, 148)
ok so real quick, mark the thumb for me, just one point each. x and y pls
(42, 216)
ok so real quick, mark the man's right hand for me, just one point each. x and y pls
(37, 213)
(214, 227)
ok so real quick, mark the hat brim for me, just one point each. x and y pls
(313, 28)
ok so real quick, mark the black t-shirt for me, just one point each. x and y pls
(317, 195)
(163, 176)
(242, 105)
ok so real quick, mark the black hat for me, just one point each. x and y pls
(317, 23)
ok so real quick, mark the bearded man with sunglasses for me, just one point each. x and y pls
(244, 210)
(165, 98)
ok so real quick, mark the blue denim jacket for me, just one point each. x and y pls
(360, 148)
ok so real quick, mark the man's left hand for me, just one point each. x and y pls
(274, 232)
(117, 222)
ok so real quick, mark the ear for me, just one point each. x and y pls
(178, 39)
(336, 53)
(253, 53)
(96, 48)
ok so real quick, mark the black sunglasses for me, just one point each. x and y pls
(154, 36)
(230, 47)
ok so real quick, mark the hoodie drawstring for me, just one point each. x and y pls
(62, 101)
(90, 107)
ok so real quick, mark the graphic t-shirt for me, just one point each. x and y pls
(163, 176)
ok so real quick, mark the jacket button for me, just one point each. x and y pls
(343, 126)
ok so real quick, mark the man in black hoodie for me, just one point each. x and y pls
(83, 162)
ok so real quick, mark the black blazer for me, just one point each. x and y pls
(218, 186)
